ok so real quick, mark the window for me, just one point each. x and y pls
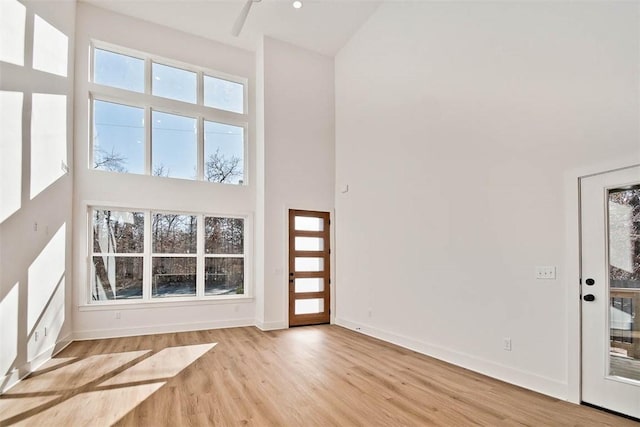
(174, 146)
(173, 262)
(118, 135)
(224, 255)
(152, 256)
(154, 117)
(223, 153)
(117, 258)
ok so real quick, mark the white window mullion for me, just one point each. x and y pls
(200, 89)
(147, 118)
(200, 279)
(148, 144)
(92, 131)
(200, 166)
(147, 273)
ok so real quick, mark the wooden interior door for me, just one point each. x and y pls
(309, 268)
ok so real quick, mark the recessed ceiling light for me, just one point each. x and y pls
(297, 4)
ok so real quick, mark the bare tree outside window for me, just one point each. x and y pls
(109, 160)
(220, 168)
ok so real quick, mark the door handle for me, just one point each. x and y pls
(589, 297)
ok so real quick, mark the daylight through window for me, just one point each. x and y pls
(151, 116)
(158, 255)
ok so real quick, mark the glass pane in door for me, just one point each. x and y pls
(309, 264)
(309, 306)
(624, 282)
(309, 244)
(308, 223)
(310, 284)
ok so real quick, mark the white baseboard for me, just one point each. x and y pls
(270, 326)
(15, 376)
(507, 374)
(160, 329)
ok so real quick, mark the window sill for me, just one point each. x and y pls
(183, 302)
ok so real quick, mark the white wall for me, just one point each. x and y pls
(296, 88)
(36, 129)
(456, 124)
(122, 190)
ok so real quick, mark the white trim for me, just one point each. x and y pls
(504, 373)
(15, 376)
(160, 329)
(271, 326)
(164, 303)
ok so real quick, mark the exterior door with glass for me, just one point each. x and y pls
(309, 267)
(610, 280)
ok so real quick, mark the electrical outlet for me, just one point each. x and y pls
(36, 336)
(117, 314)
(545, 272)
(506, 344)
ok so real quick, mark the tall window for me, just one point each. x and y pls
(147, 255)
(155, 117)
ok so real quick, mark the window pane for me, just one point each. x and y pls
(118, 232)
(223, 94)
(174, 234)
(174, 149)
(309, 264)
(174, 83)
(173, 277)
(224, 235)
(118, 137)
(624, 282)
(309, 243)
(116, 70)
(223, 276)
(309, 306)
(309, 223)
(116, 278)
(223, 153)
(311, 284)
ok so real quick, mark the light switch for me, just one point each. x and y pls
(545, 272)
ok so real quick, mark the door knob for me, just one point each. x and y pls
(589, 297)
(590, 282)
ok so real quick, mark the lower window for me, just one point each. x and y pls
(148, 255)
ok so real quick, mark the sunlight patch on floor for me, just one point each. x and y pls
(94, 390)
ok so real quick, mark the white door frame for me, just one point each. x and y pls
(572, 264)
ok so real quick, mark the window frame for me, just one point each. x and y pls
(148, 255)
(150, 102)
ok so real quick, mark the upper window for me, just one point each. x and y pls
(169, 120)
(116, 70)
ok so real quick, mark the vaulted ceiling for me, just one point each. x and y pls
(323, 26)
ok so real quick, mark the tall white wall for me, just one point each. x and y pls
(456, 124)
(137, 191)
(36, 129)
(297, 141)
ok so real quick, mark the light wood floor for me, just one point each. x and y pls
(309, 376)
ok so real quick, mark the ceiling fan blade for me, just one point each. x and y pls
(237, 26)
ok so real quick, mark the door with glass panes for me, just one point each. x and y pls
(309, 267)
(610, 288)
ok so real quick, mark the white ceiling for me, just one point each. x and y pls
(323, 26)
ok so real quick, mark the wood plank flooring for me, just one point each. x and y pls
(309, 376)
